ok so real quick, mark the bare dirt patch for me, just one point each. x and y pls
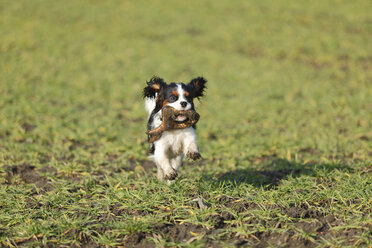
(27, 173)
(175, 232)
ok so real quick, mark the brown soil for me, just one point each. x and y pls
(28, 174)
(319, 226)
(312, 221)
(170, 232)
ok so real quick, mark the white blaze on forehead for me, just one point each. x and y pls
(181, 98)
(181, 93)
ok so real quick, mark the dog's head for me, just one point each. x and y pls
(177, 95)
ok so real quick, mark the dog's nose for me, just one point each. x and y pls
(183, 104)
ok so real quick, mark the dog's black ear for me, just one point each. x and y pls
(198, 86)
(153, 86)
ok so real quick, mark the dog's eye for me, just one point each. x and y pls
(173, 98)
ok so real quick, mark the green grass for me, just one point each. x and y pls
(285, 128)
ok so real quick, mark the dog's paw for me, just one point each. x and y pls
(171, 175)
(193, 155)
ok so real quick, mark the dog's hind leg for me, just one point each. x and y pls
(176, 162)
(160, 173)
(165, 169)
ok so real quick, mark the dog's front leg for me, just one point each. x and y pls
(190, 146)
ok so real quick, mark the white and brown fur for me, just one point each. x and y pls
(168, 151)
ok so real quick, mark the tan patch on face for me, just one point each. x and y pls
(165, 102)
(156, 86)
(175, 93)
(187, 94)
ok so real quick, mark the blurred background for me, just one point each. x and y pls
(282, 75)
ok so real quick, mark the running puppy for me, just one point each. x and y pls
(169, 150)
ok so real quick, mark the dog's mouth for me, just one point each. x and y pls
(181, 118)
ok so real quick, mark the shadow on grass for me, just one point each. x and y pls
(272, 172)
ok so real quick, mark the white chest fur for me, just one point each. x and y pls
(176, 142)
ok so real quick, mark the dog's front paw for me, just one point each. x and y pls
(193, 155)
(171, 175)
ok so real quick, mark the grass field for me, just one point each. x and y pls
(285, 129)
